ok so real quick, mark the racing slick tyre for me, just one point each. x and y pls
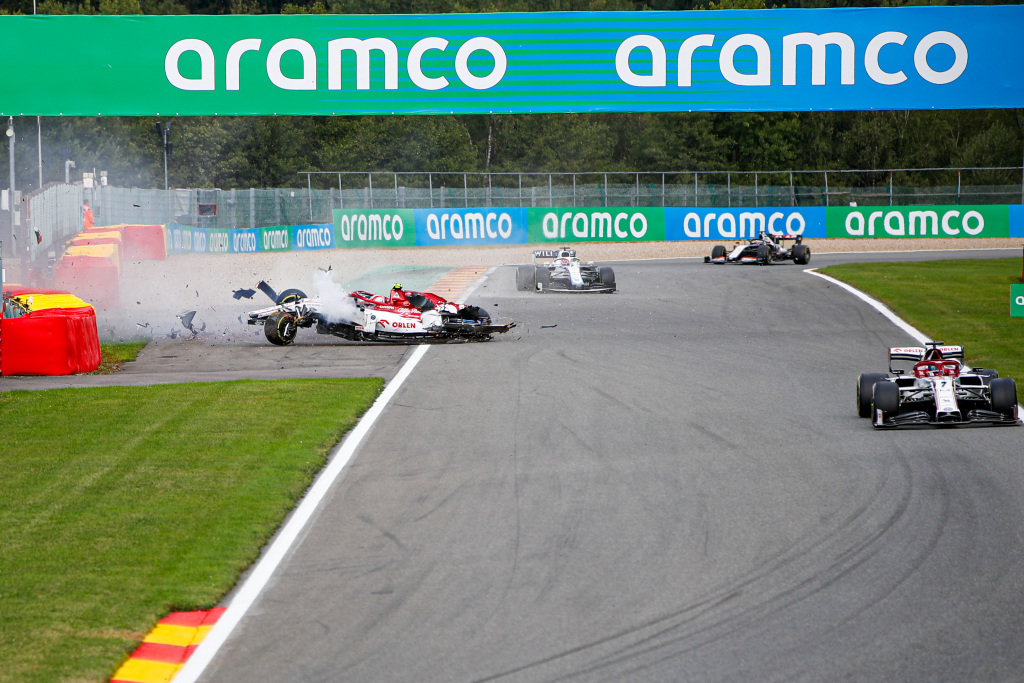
(1004, 395)
(801, 254)
(717, 251)
(886, 397)
(607, 276)
(764, 255)
(280, 328)
(526, 278)
(289, 295)
(543, 277)
(865, 385)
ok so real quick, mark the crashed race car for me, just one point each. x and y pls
(763, 251)
(401, 316)
(561, 271)
(936, 388)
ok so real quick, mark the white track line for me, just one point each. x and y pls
(268, 563)
(899, 322)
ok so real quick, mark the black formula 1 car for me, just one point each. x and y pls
(401, 316)
(561, 271)
(763, 251)
(936, 388)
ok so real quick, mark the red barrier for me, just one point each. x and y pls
(52, 341)
(83, 240)
(92, 278)
(145, 242)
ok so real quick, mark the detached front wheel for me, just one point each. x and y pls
(280, 328)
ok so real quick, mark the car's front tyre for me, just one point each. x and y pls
(865, 384)
(280, 328)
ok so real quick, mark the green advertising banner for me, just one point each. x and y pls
(605, 224)
(918, 221)
(370, 228)
(219, 241)
(814, 59)
(276, 239)
(1017, 301)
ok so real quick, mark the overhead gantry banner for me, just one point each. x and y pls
(731, 60)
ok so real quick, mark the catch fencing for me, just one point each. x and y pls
(56, 211)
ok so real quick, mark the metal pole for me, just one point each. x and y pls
(663, 189)
(430, 181)
(826, 189)
(465, 190)
(606, 189)
(890, 188)
(10, 147)
(370, 180)
(165, 131)
(792, 195)
(520, 190)
(695, 189)
(309, 194)
(341, 194)
(958, 188)
(574, 189)
(39, 140)
(728, 188)
(755, 190)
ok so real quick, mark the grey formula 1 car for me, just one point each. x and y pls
(560, 270)
(763, 251)
(937, 388)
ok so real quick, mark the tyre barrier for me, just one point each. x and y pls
(47, 332)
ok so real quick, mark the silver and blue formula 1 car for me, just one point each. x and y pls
(560, 270)
(935, 387)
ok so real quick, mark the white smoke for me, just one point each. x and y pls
(336, 305)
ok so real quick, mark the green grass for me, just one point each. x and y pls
(956, 301)
(122, 504)
(114, 354)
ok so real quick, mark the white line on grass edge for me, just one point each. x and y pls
(899, 322)
(268, 563)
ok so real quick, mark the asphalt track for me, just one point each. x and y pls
(672, 484)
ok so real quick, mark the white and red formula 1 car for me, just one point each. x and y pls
(401, 316)
(763, 251)
(937, 389)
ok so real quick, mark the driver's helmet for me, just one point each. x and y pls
(397, 292)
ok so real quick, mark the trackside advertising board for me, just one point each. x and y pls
(683, 223)
(723, 60)
(494, 225)
(918, 221)
(596, 224)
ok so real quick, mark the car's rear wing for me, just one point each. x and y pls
(913, 354)
(562, 252)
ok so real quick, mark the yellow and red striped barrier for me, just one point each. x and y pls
(165, 650)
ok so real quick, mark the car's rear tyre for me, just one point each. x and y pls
(801, 254)
(289, 295)
(280, 328)
(526, 278)
(607, 276)
(885, 397)
(764, 255)
(543, 277)
(865, 384)
(717, 251)
(1004, 395)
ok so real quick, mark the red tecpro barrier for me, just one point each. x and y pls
(83, 240)
(52, 341)
(92, 278)
(145, 242)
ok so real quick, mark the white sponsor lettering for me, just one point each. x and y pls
(275, 239)
(598, 224)
(361, 49)
(360, 228)
(917, 223)
(751, 224)
(199, 242)
(220, 243)
(469, 226)
(313, 238)
(818, 44)
(1019, 300)
(244, 242)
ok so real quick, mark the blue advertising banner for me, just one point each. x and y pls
(245, 241)
(721, 60)
(744, 223)
(316, 236)
(470, 226)
(1016, 220)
